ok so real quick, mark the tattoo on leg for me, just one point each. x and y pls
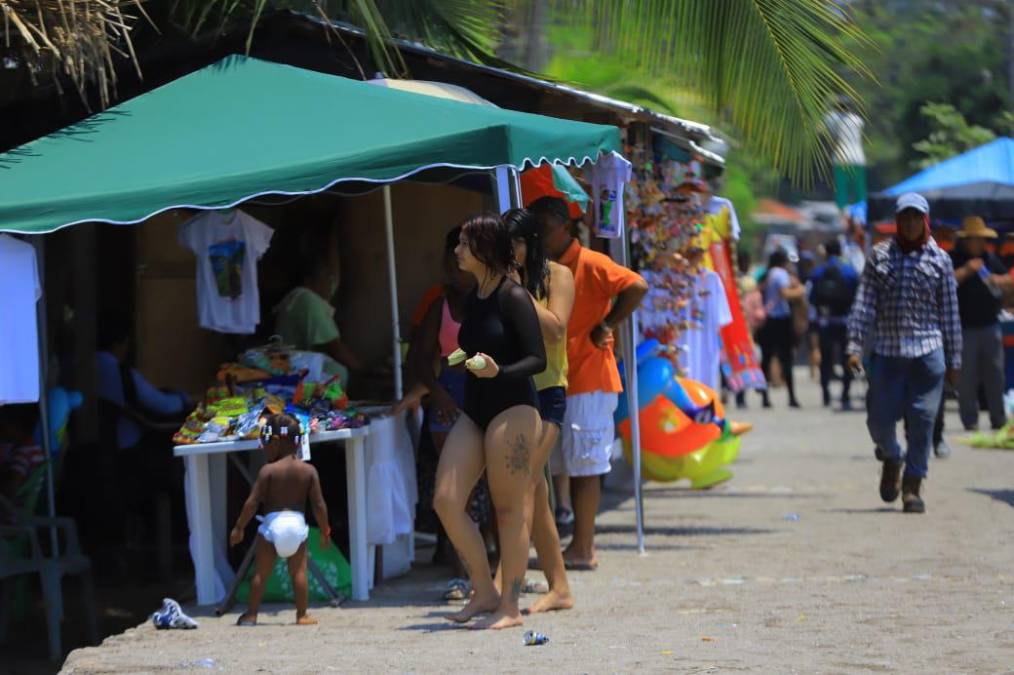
(519, 456)
(516, 587)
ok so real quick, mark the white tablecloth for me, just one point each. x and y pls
(391, 491)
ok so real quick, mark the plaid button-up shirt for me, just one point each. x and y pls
(907, 305)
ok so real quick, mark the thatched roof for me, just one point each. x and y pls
(76, 39)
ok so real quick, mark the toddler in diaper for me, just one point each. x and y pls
(283, 486)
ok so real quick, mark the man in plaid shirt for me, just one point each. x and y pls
(907, 309)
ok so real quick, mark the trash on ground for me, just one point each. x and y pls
(792, 517)
(533, 639)
(204, 664)
(171, 615)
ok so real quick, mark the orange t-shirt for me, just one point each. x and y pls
(428, 298)
(597, 280)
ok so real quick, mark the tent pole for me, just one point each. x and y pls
(40, 310)
(630, 359)
(516, 200)
(392, 277)
(501, 176)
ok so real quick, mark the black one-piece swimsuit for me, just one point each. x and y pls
(506, 327)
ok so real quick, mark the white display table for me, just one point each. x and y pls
(204, 512)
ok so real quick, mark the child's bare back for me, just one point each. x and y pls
(287, 483)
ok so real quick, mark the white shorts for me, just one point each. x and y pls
(586, 439)
(287, 530)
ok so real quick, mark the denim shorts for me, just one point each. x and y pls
(453, 380)
(553, 405)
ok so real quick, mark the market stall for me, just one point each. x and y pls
(244, 129)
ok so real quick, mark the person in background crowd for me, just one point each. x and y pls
(832, 289)
(551, 286)
(777, 337)
(20, 455)
(125, 386)
(804, 274)
(305, 319)
(979, 274)
(500, 428)
(606, 295)
(752, 300)
(907, 306)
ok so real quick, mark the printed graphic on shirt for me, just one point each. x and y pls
(226, 260)
(607, 203)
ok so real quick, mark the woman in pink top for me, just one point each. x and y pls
(438, 338)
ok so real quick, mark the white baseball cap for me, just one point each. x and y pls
(912, 200)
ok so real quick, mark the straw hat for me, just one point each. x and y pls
(974, 226)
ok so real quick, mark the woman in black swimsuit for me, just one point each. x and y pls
(501, 426)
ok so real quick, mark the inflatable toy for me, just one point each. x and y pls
(684, 433)
(704, 468)
(61, 403)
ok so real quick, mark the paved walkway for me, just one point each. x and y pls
(793, 566)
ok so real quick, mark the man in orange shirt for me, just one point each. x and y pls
(606, 294)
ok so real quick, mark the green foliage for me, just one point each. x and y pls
(945, 51)
(950, 134)
(747, 174)
(767, 68)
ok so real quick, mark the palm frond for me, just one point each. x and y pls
(76, 39)
(771, 68)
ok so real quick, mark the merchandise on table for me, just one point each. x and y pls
(267, 381)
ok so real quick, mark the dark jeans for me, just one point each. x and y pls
(909, 389)
(832, 352)
(938, 426)
(777, 342)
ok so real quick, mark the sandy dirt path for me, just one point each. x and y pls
(732, 581)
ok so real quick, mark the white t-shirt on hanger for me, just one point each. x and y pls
(607, 178)
(228, 245)
(19, 329)
(703, 341)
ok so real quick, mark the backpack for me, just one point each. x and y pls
(832, 293)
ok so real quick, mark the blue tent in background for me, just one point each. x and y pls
(980, 182)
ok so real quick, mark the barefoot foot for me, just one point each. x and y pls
(248, 619)
(498, 621)
(306, 620)
(551, 602)
(474, 607)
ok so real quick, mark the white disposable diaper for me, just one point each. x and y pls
(287, 530)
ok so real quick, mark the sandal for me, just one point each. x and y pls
(457, 589)
(535, 587)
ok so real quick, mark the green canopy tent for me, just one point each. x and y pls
(244, 128)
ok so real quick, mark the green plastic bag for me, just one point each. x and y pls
(279, 585)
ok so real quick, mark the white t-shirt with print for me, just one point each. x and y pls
(19, 331)
(228, 245)
(607, 178)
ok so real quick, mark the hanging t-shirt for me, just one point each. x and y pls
(19, 330)
(847, 131)
(701, 344)
(228, 245)
(716, 204)
(607, 178)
